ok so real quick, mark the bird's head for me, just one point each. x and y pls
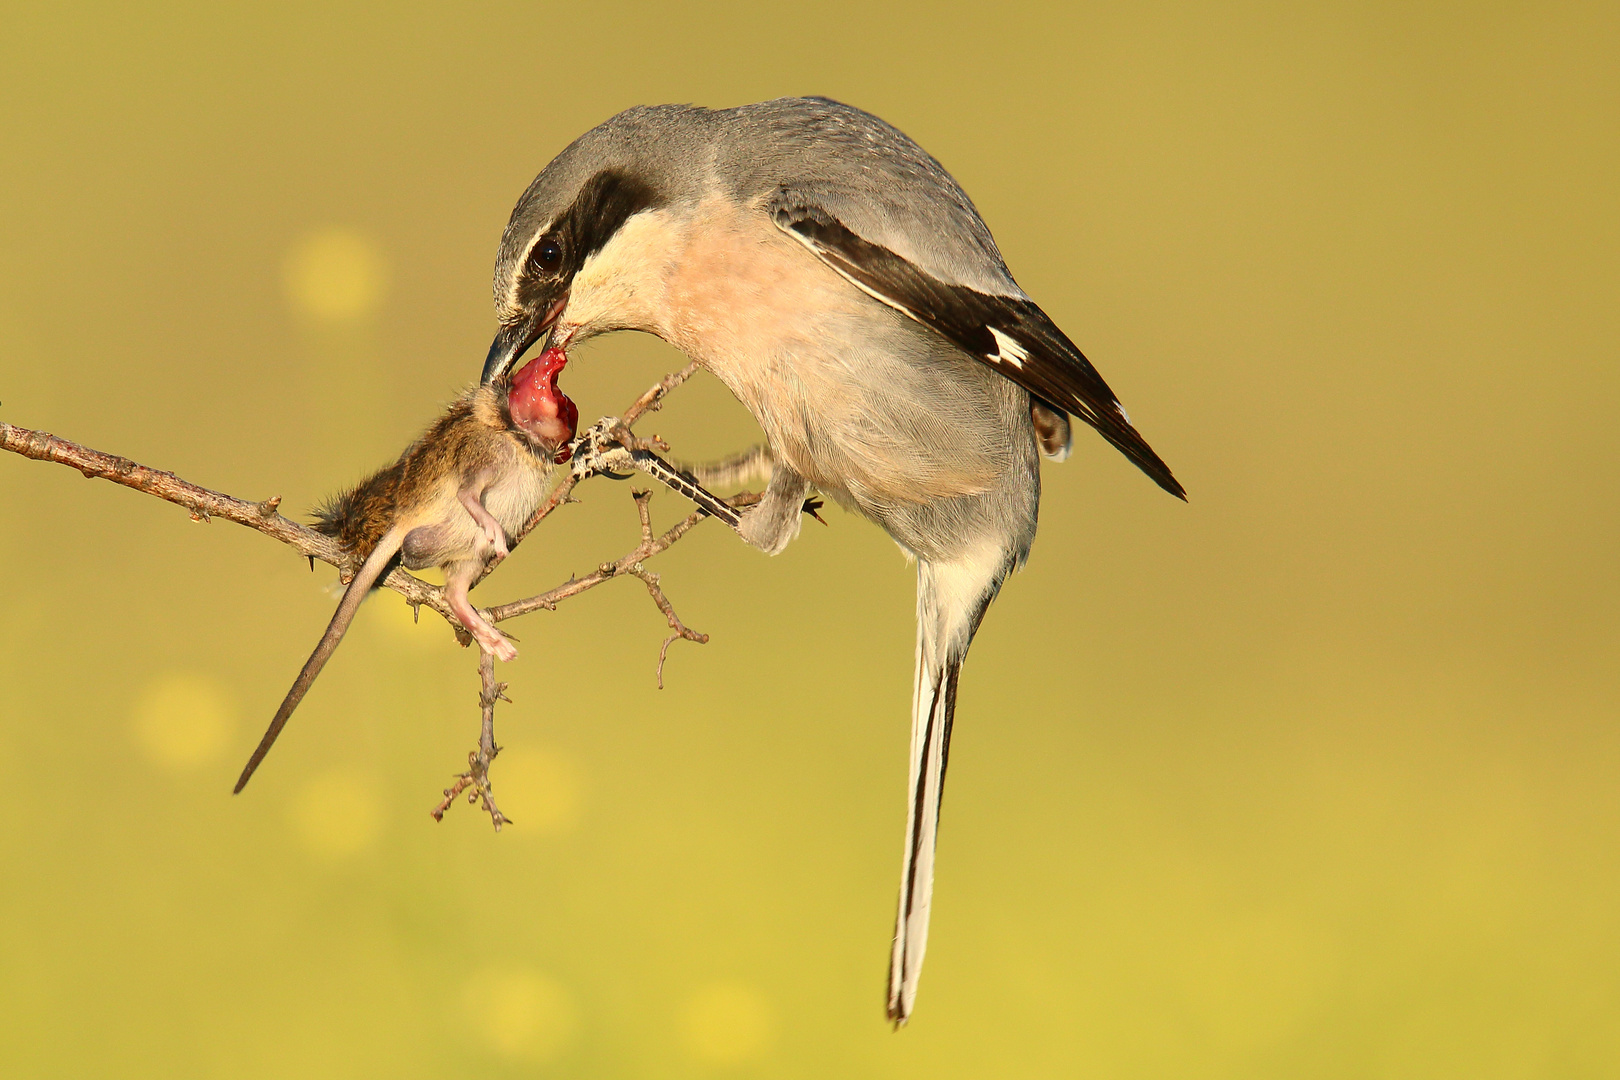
(566, 219)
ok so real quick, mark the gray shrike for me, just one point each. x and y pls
(841, 284)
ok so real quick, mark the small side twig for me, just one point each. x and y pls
(633, 566)
(653, 399)
(651, 580)
(475, 781)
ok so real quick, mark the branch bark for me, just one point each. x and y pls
(204, 505)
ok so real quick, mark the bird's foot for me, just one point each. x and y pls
(603, 449)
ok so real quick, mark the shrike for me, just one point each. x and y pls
(841, 284)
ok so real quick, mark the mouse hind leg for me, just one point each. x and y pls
(458, 578)
(427, 545)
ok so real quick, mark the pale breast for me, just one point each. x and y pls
(851, 394)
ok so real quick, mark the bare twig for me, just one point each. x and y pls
(475, 781)
(653, 399)
(609, 570)
(204, 505)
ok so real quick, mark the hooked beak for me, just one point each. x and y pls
(515, 338)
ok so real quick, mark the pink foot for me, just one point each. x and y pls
(496, 643)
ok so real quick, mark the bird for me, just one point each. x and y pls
(453, 500)
(841, 284)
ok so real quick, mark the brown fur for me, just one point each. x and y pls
(452, 500)
(458, 442)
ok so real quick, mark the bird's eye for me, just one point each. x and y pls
(547, 255)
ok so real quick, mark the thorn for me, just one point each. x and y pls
(312, 564)
(267, 508)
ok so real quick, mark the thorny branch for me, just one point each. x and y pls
(204, 504)
(475, 781)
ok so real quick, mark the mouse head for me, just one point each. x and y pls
(538, 406)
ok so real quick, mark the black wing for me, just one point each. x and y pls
(1011, 334)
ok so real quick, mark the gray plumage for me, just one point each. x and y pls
(842, 285)
(864, 171)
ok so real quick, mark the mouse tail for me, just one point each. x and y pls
(364, 579)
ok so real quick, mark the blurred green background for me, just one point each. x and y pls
(1314, 776)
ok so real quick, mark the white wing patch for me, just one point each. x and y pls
(1008, 349)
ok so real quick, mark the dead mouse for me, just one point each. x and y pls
(452, 500)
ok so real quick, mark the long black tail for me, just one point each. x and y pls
(951, 599)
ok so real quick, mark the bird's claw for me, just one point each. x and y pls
(601, 450)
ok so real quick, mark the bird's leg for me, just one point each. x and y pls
(775, 521)
(603, 449)
(755, 463)
(458, 578)
(608, 447)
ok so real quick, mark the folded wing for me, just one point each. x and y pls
(1010, 333)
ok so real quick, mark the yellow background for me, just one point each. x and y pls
(1313, 777)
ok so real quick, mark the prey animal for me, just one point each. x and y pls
(453, 500)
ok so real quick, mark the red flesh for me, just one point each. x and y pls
(540, 407)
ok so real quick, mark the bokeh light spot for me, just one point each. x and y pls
(519, 1013)
(727, 1024)
(336, 275)
(539, 788)
(182, 720)
(338, 813)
